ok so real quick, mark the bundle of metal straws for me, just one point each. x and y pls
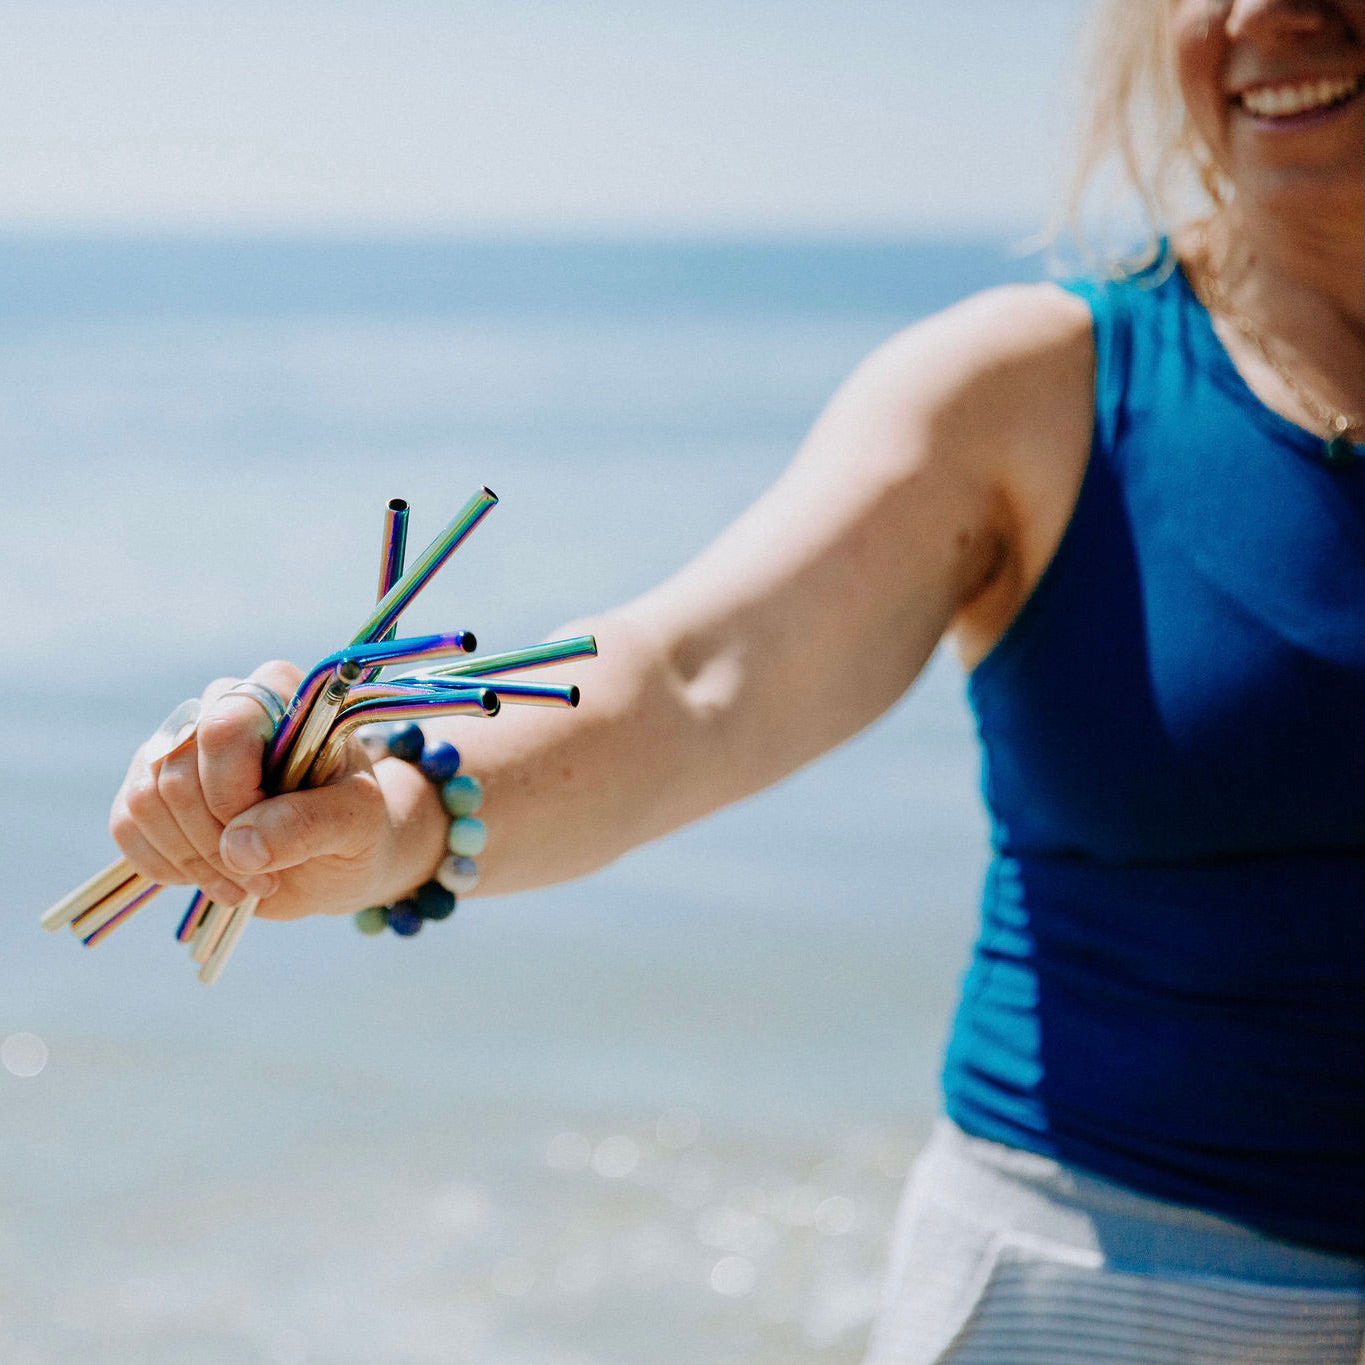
(338, 697)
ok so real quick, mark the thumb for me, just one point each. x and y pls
(342, 819)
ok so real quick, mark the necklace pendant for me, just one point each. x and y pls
(1338, 452)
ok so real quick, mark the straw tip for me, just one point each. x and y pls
(488, 699)
(398, 504)
(466, 640)
(574, 694)
(489, 493)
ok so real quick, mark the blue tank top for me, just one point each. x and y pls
(1169, 985)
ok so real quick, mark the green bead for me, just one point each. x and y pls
(372, 921)
(462, 795)
(467, 837)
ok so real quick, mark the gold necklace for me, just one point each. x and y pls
(1338, 448)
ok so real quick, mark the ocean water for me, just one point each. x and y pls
(661, 1114)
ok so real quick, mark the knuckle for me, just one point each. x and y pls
(279, 673)
(122, 827)
(177, 784)
(214, 693)
(141, 798)
(222, 731)
(201, 872)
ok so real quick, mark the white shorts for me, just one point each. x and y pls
(1002, 1257)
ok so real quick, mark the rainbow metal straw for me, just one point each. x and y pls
(337, 698)
(392, 553)
(285, 752)
(194, 912)
(387, 611)
(110, 890)
(279, 752)
(384, 616)
(389, 607)
(518, 693)
(476, 701)
(514, 661)
(216, 950)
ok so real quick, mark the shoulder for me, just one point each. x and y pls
(973, 389)
(994, 348)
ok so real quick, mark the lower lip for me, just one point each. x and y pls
(1293, 123)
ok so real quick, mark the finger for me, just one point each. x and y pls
(232, 737)
(151, 840)
(177, 783)
(343, 819)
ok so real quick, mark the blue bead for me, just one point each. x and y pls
(405, 918)
(435, 902)
(440, 761)
(467, 837)
(406, 742)
(462, 795)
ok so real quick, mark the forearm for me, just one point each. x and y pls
(568, 791)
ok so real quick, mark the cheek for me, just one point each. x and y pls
(1197, 58)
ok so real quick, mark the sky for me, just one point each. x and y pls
(844, 117)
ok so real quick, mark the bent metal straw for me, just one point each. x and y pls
(384, 615)
(336, 699)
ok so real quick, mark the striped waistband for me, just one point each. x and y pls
(1003, 1257)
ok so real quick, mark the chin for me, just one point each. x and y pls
(1307, 180)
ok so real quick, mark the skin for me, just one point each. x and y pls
(1290, 248)
(942, 474)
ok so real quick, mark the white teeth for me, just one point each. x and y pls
(1281, 101)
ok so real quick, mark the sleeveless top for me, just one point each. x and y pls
(1169, 985)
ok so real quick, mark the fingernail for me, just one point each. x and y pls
(262, 886)
(226, 893)
(242, 847)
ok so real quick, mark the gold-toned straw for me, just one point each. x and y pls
(123, 916)
(87, 894)
(475, 702)
(112, 905)
(210, 932)
(197, 936)
(313, 732)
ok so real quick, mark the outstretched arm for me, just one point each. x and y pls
(920, 501)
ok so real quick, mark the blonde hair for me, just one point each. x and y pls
(1134, 125)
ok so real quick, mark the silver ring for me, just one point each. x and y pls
(265, 697)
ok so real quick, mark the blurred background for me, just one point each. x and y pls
(263, 267)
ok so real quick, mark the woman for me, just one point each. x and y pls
(1136, 508)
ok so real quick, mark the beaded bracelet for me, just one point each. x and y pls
(458, 873)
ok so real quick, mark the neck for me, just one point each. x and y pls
(1312, 269)
(1293, 310)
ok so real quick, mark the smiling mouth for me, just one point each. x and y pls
(1300, 97)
